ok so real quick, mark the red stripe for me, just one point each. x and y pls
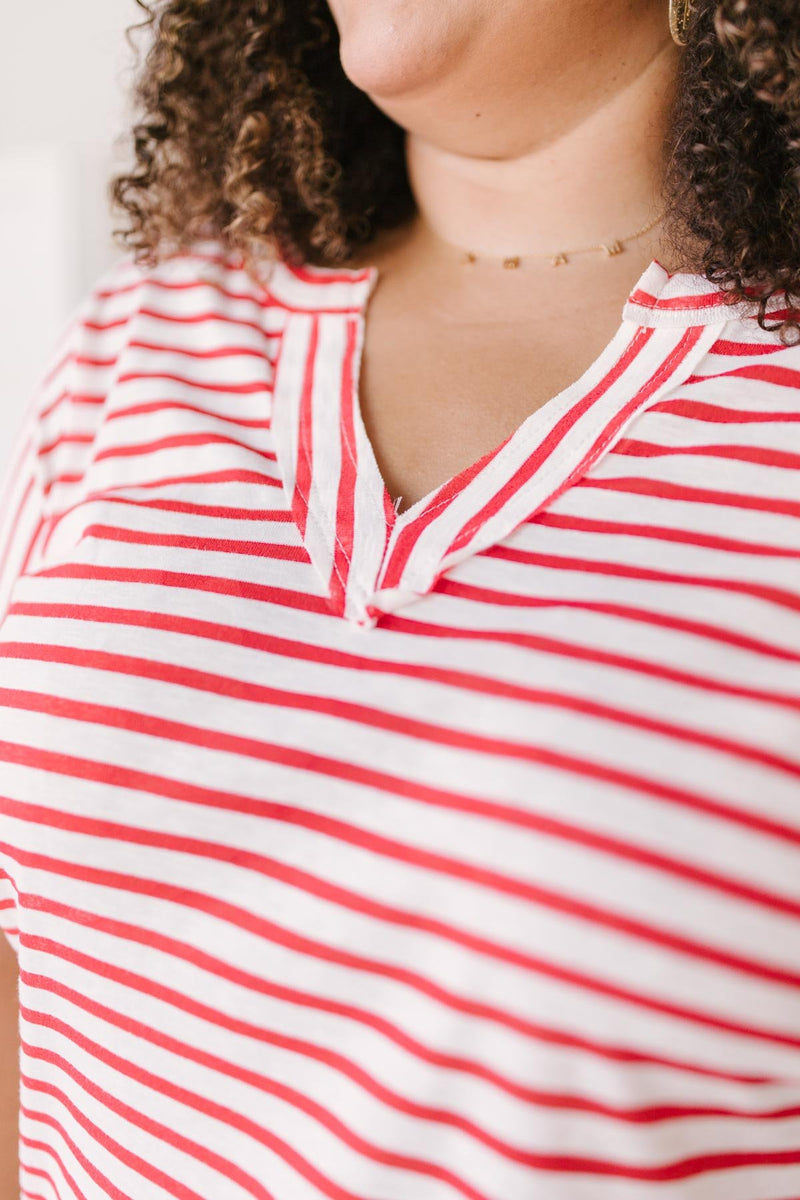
(389, 514)
(74, 356)
(677, 303)
(468, 681)
(662, 533)
(287, 552)
(180, 439)
(170, 405)
(232, 389)
(92, 326)
(765, 456)
(770, 373)
(233, 474)
(187, 285)
(229, 475)
(216, 512)
(266, 301)
(305, 421)
(440, 500)
(28, 1143)
(437, 928)
(670, 364)
(147, 1033)
(679, 491)
(571, 418)
(65, 439)
(344, 533)
(726, 346)
(199, 319)
(324, 278)
(698, 410)
(188, 352)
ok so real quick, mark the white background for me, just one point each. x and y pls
(66, 72)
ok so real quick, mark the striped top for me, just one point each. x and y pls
(446, 854)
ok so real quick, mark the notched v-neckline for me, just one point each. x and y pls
(372, 559)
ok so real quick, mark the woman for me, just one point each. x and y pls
(400, 764)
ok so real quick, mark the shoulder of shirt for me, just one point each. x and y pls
(121, 289)
(271, 282)
(741, 341)
(207, 280)
(99, 325)
(134, 308)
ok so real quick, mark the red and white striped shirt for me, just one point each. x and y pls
(445, 854)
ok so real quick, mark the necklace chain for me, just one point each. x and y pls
(562, 257)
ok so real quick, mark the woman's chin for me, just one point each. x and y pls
(384, 70)
(378, 78)
(394, 56)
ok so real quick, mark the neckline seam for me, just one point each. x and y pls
(360, 282)
(659, 378)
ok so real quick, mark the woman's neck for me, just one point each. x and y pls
(594, 180)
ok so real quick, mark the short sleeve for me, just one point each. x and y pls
(52, 443)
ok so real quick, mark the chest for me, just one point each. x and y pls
(437, 395)
(551, 806)
(532, 835)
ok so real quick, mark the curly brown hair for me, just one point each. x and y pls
(251, 132)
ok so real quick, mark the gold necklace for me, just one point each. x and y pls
(563, 256)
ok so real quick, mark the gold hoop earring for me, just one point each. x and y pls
(679, 14)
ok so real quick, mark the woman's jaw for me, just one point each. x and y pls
(495, 78)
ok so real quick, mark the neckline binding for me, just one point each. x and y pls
(659, 298)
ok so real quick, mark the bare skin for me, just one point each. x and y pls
(518, 141)
(9, 1073)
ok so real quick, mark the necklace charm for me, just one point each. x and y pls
(610, 249)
